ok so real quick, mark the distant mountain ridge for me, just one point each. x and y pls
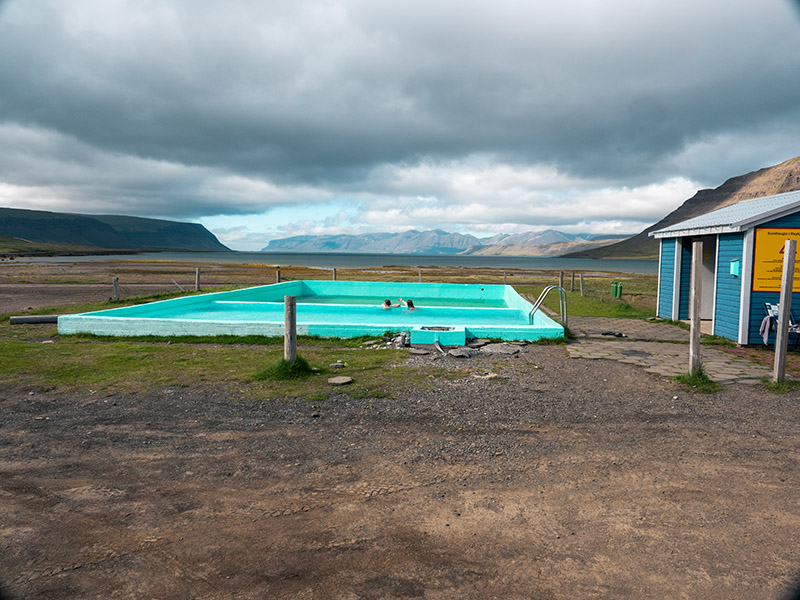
(778, 179)
(438, 242)
(410, 242)
(108, 232)
(538, 238)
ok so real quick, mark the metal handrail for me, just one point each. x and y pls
(562, 303)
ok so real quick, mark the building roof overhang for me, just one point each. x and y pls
(707, 224)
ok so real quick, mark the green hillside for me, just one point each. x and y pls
(10, 246)
(106, 232)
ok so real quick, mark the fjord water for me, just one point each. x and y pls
(355, 261)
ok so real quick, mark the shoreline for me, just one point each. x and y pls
(361, 261)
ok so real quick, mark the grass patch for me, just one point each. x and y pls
(244, 340)
(699, 381)
(715, 340)
(559, 341)
(36, 357)
(285, 370)
(780, 387)
(597, 301)
(680, 324)
(222, 340)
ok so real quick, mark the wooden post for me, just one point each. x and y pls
(290, 328)
(781, 338)
(581, 285)
(572, 285)
(278, 275)
(505, 281)
(420, 276)
(561, 279)
(334, 273)
(197, 280)
(115, 281)
(695, 294)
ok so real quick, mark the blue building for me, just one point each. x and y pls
(742, 264)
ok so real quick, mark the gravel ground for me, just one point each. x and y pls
(557, 478)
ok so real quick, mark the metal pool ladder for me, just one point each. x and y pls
(562, 303)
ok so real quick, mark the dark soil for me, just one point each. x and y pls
(557, 479)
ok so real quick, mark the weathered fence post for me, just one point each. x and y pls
(695, 294)
(290, 328)
(115, 282)
(197, 280)
(334, 273)
(581, 285)
(785, 303)
(420, 276)
(572, 285)
(278, 275)
(561, 279)
(505, 280)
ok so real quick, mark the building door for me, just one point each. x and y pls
(709, 276)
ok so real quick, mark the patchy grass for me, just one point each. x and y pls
(680, 324)
(559, 341)
(780, 387)
(639, 297)
(766, 357)
(715, 340)
(36, 357)
(243, 340)
(699, 382)
(285, 370)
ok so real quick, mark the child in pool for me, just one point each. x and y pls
(387, 304)
(408, 303)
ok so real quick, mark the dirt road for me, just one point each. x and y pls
(559, 479)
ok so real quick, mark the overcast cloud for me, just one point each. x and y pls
(268, 119)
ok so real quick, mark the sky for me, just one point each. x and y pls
(267, 119)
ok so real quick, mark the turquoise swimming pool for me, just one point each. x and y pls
(448, 313)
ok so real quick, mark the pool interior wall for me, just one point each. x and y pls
(447, 312)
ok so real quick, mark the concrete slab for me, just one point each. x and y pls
(659, 348)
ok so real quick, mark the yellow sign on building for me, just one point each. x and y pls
(768, 259)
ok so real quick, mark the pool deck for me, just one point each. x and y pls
(659, 348)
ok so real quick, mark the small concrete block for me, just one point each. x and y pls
(340, 380)
(460, 352)
(418, 351)
(478, 343)
(500, 349)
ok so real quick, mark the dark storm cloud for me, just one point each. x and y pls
(302, 91)
(318, 94)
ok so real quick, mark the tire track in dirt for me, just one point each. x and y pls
(354, 494)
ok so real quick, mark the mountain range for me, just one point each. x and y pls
(106, 232)
(781, 178)
(433, 242)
